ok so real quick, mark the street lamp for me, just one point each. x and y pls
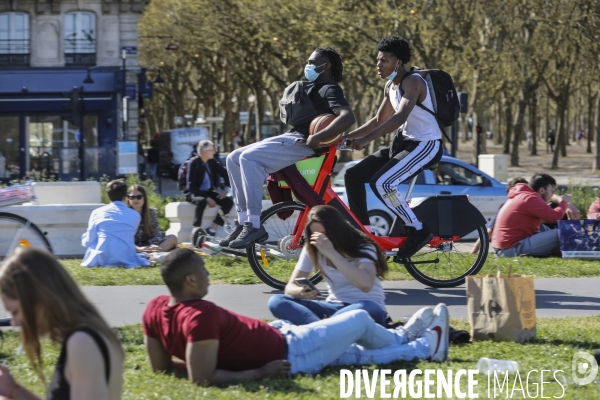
(125, 99)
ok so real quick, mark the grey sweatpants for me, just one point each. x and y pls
(249, 166)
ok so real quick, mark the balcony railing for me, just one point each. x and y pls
(80, 52)
(86, 59)
(14, 52)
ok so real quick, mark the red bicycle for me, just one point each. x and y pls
(444, 262)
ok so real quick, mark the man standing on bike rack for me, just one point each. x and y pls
(248, 167)
(416, 145)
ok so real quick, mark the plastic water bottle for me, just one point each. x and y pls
(488, 365)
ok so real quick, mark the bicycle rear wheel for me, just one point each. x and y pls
(18, 231)
(449, 263)
(274, 260)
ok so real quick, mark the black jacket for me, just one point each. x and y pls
(195, 176)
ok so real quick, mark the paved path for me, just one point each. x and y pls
(123, 305)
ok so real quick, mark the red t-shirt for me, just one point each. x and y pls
(244, 343)
(522, 215)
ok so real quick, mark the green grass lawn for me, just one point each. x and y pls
(237, 271)
(557, 340)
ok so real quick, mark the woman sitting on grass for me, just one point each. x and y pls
(351, 264)
(149, 236)
(45, 301)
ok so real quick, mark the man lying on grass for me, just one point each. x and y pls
(215, 345)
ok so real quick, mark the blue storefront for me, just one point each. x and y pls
(35, 138)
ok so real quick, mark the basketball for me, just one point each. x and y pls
(321, 122)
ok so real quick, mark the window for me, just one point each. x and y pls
(14, 39)
(453, 174)
(80, 38)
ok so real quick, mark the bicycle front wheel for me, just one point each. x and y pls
(274, 260)
(449, 263)
(18, 231)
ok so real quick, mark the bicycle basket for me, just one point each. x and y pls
(16, 194)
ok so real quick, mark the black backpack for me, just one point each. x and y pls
(296, 107)
(443, 95)
(182, 174)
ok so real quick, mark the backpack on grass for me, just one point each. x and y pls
(446, 106)
(182, 173)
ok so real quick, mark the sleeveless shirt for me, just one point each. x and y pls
(420, 125)
(60, 389)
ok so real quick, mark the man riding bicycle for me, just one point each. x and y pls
(415, 146)
(249, 166)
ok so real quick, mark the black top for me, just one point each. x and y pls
(195, 177)
(326, 99)
(60, 389)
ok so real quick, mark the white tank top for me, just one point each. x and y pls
(420, 125)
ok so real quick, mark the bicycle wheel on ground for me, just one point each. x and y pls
(17, 231)
(274, 260)
(449, 263)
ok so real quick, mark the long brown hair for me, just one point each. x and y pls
(347, 240)
(38, 281)
(145, 210)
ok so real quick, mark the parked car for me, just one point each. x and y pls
(452, 176)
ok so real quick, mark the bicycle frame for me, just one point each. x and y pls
(323, 188)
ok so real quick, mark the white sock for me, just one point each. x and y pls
(255, 220)
(242, 217)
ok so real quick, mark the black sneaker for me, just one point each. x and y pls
(415, 240)
(210, 232)
(237, 229)
(249, 235)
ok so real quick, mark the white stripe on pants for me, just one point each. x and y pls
(405, 168)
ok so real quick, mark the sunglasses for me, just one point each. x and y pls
(136, 197)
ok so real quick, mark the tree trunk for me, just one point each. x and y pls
(597, 133)
(514, 155)
(508, 124)
(591, 120)
(533, 128)
(561, 134)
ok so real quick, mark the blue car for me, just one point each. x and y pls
(452, 176)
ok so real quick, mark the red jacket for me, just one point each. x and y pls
(521, 216)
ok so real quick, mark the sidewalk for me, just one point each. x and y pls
(566, 297)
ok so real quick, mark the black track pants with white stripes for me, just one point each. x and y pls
(384, 173)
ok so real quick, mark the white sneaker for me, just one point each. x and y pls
(417, 324)
(437, 334)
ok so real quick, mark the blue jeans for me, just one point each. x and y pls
(351, 338)
(302, 311)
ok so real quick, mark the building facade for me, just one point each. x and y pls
(50, 49)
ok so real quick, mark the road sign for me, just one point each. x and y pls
(243, 117)
(178, 120)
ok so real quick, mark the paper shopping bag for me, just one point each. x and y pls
(501, 307)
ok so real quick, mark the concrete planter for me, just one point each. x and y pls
(181, 217)
(64, 224)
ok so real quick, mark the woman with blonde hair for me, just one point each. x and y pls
(149, 236)
(45, 301)
(351, 264)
